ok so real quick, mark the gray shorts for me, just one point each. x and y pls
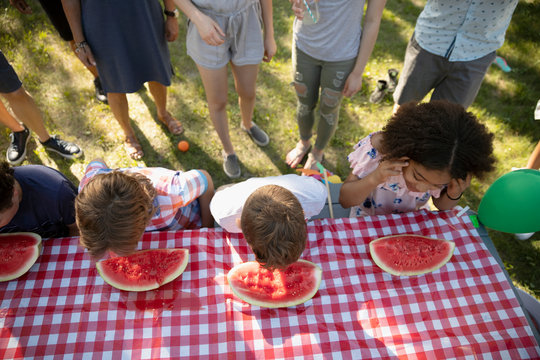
(457, 81)
(9, 81)
(243, 43)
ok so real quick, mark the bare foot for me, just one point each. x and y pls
(133, 148)
(174, 126)
(296, 155)
(311, 162)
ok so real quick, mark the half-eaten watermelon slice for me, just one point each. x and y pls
(18, 252)
(291, 286)
(410, 254)
(144, 270)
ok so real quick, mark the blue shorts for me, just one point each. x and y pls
(9, 81)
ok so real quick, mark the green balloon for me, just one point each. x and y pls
(512, 203)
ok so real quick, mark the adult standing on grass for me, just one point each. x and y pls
(230, 31)
(127, 40)
(452, 47)
(329, 57)
(24, 108)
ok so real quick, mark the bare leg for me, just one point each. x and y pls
(245, 79)
(120, 109)
(8, 120)
(216, 87)
(26, 110)
(159, 93)
(534, 159)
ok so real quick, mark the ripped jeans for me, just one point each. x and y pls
(310, 75)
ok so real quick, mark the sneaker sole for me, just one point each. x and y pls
(71, 157)
(232, 176)
(21, 159)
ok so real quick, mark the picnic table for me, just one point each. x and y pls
(466, 309)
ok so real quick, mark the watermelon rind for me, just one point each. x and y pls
(181, 266)
(386, 267)
(33, 256)
(317, 274)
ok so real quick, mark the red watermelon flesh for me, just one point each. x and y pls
(144, 270)
(291, 286)
(410, 254)
(18, 252)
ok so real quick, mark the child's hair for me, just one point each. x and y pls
(440, 136)
(274, 226)
(112, 211)
(7, 185)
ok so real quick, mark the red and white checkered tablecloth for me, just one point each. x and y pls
(466, 309)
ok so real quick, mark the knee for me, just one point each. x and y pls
(18, 96)
(331, 98)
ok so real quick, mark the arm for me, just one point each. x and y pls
(204, 201)
(451, 195)
(367, 42)
(208, 29)
(354, 190)
(270, 46)
(171, 24)
(72, 8)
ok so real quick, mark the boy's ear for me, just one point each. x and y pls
(238, 223)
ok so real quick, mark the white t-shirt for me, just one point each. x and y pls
(227, 204)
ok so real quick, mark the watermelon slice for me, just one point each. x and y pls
(18, 252)
(144, 270)
(292, 286)
(410, 254)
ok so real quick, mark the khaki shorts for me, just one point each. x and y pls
(457, 81)
(243, 43)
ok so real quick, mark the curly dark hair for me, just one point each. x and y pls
(440, 136)
(7, 185)
(274, 226)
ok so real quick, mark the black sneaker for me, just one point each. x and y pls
(65, 148)
(392, 79)
(257, 134)
(378, 94)
(16, 152)
(231, 166)
(100, 94)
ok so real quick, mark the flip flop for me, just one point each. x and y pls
(296, 155)
(311, 162)
(174, 126)
(133, 147)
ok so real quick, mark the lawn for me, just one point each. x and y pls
(63, 90)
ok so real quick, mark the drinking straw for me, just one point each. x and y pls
(309, 11)
(463, 211)
(323, 171)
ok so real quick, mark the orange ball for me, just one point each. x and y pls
(183, 146)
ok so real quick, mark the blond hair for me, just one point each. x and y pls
(113, 210)
(274, 226)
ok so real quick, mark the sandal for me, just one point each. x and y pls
(174, 126)
(311, 162)
(133, 148)
(296, 155)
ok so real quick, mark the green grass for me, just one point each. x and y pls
(63, 90)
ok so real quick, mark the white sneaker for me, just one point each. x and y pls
(523, 236)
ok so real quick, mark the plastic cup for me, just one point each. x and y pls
(311, 13)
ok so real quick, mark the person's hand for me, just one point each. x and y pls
(21, 5)
(298, 8)
(85, 54)
(171, 29)
(210, 31)
(389, 168)
(270, 48)
(353, 84)
(456, 187)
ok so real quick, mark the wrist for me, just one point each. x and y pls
(454, 198)
(171, 13)
(79, 46)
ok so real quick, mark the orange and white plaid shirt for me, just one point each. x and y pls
(177, 193)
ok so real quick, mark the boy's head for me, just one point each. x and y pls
(112, 211)
(274, 226)
(9, 202)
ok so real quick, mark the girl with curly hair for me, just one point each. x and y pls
(425, 150)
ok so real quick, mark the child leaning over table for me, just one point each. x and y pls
(425, 150)
(271, 212)
(37, 199)
(115, 207)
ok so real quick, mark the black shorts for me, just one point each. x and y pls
(9, 81)
(56, 14)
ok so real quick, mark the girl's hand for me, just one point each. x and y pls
(389, 168)
(85, 55)
(210, 31)
(353, 84)
(270, 48)
(171, 29)
(298, 8)
(456, 187)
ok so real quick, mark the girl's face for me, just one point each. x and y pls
(420, 179)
